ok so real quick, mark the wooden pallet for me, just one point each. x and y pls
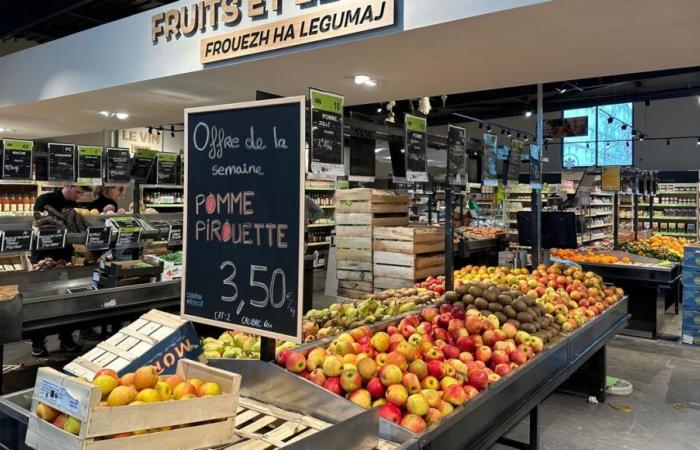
(410, 240)
(209, 420)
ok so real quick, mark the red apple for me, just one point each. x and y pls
(375, 388)
(296, 362)
(478, 379)
(445, 308)
(317, 376)
(489, 337)
(473, 324)
(466, 344)
(333, 385)
(458, 313)
(470, 390)
(499, 356)
(390, 412)
(466, 357)
(483, 354)
(430, 313)
(502, 368)
(282, 356)
(444, 320)
(436, 369)
(518, 356)
(450, 351)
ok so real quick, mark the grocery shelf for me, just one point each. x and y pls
(667, 233)
(680, 218)
(328, 206)
(318, 244)
(670, 205)
(600, 214)
(600, 204)
(676, 193)
(319, 189)
(320, 225)
(602, 194)
(164, 205)
(600, 225)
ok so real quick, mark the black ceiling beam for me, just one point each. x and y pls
(26, 14)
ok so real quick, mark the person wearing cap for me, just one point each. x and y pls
(59, 199)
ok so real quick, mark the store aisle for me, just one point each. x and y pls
(664, 409)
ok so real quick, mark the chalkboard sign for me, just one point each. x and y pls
(50, 238)
(162, 227)
(128, 237)
(117, 166)
(416, 142)
(516, 152)
(17, 159)
(175, 234)
(142, 164)
(166, 172)
(124, 221)
(244, 217)
(89, 165)
(16, 240)
(457, 154)
(98, 238)
(61, 165)
(326, 133)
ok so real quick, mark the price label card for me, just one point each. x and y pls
(128, 237)
(162, 227)
(175, 234)
(416, 144)
(326, 133)
(167, 168)
(17, 159)
(98, 238)
(50, 239)
(244, 259)
(16, 241)
(57, 395)
(89, 165)
(457, 154)
(117, 165)
(61, 162)
(142, 164)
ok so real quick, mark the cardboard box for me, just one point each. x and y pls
(171, 270)
(691, 299)
(156, 338)
(690, 335)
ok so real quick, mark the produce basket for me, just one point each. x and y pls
(183, 424)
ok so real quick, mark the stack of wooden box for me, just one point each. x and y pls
(403, 255)
(357, 213)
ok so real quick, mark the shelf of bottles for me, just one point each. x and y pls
(518, 198)
(625, 217)
(675, 210)
(162, 198)
(598, 217)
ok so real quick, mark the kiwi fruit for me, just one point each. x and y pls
(481, 303)
(531, 311)
(468, 299)
(530, 328)
(504, 300)
(485, 312)
(501, 317)
(509, 312)
(529, 300)
(471, 307)
(482, 285)
(513, 294)
(519, 305)
(461, 290)
(476, 291)
(493, 307)
(451, 296)
(525, 317)
(491, 294)
(503, 287)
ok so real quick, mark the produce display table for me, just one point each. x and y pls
(651, 290)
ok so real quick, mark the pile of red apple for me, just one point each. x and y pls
(418, 371)
(435, 284)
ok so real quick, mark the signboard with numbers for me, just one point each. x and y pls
(416, 148)
(89, 165)
(243, 259)
(61, 165)
(17, 159)
(457, 154)
(326, 133)
(142, 164)
(117, 166)
(166, 172)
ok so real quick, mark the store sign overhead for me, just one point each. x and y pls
(344, 18)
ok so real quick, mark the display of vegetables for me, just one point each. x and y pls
(174, 257)
(338, 317)
(237, 345)
(480, 233)
(49, 263)
(658, 246)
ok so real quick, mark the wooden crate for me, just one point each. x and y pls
(210, 420)
(411, 240)
(394, 270)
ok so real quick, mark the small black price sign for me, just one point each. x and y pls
(162, 227)
(326, 133)
(175, 233)
(457, 154)
(61, 162)
(166, 172)
(142, 164)
(50, 239)
(17, 159)
(118, 165)
(416, 142)
(89, 165)
(98, 238)
(17, 241)
(128, 237)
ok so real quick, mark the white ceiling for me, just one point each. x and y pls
(559, 40)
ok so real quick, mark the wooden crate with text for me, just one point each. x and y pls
(358, 212)
(404, 255)
(183, 424)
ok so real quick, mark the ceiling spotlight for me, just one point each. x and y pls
(158, 132)
(503, 131)
(517, 135)
(172, 130)
(642, 136)
(481, 125)
(698, 142)
(370, 83)
(510, 134)
(361, 79)
(527, 138)
(488, 128)
(610, 119)
(424, 105)
(104, 113)
(624, 126)
(121, 115)
(588, 145)
(150, 130)
(607, 143)
(647, 102)
(528, 113)
(634, 133)
(627, 143)
(379, 109)
(668, 142)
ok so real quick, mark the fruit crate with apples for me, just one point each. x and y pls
(358, 212)
(184, 424)
(403, 255)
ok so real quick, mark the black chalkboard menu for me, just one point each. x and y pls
(98, 238)
(416, 142)
(515, 157)
(457, 154)
(16, 240)
(50, 238)
(326, 133)
(128, 237)
(243, 256)
(166, 172)
(61, 158)
(117, 166)
(89, 165)
(17, 159)
(175, 233)
(142, 164)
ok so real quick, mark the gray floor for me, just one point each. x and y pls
(663, 412)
